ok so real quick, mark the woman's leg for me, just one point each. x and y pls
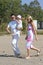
(34, 48)
(28, 44)
(28, 50)
(28, 55)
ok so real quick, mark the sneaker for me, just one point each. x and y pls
(17, 55)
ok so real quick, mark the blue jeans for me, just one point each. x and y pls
(15, 44)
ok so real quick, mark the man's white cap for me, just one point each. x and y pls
(19, 16)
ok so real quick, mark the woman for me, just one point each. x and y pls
(31, 31)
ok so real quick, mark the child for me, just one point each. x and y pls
(19, 27)
(31, 30)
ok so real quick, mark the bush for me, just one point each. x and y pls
(24, 26)
(40, 32)
(3, 27)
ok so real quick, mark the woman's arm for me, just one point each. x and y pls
(35, 31)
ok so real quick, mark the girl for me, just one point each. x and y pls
(31, 30)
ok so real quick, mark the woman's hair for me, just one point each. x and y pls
(29, 17)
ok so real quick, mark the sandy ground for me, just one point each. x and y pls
(7, 56)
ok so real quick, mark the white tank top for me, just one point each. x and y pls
(30, 30)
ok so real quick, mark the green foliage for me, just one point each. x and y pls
(35, 10)
(24, 26)
(14, 6)
(9, 6)
(3, 27)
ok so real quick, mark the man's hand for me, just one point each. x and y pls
(19, 28)
(8, 30)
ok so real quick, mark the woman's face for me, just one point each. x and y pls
(28, 19)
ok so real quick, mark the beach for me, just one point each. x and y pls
(7, 56)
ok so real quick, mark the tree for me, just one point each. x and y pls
(25, 9)
(9, 6)
(35, 10)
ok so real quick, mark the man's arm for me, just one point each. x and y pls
(8, 30)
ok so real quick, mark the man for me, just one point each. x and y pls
(12, 28)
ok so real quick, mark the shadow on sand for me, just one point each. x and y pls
(21, 57)
(6, 55)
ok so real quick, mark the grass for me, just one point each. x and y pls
(40, 32)
(3, 33)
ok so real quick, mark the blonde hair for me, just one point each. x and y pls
(29, 17)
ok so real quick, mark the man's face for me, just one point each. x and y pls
(13, 17)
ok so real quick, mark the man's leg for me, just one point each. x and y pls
(15, 45)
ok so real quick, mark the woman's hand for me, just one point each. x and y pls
(36, 38)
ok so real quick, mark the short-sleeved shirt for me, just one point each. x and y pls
(13, 25)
